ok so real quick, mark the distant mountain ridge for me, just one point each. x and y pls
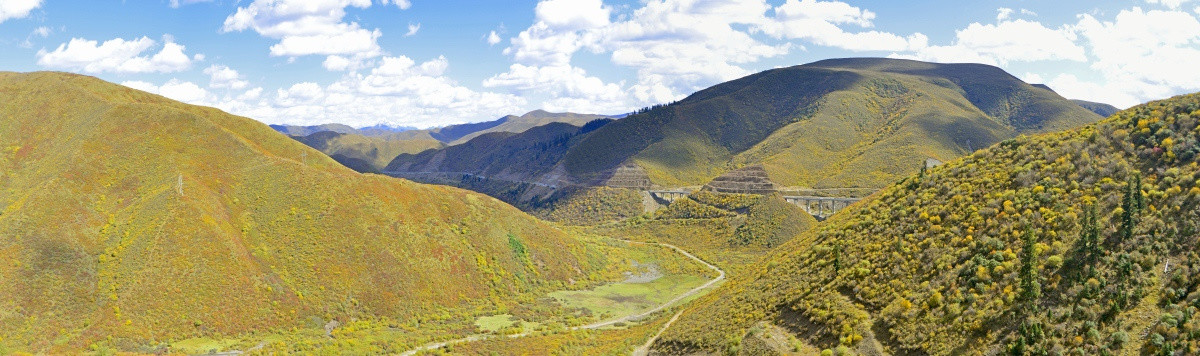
(855, 122)
(370, 149)
(1101, 109)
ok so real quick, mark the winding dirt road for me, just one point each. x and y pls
(597, 325)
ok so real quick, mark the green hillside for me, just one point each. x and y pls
(294, 130)
(132, 222)
(368, 153)
(370, 150)
(503, 155)
(863, 122)
(1101, 109)
(860, 122)
(519, 124)
(1081, 242)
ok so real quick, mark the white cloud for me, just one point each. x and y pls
(1004, 42)
(1033, 78)
(412, 29)
(1003, 13)
(1173, 4)
(570, 88)
(17, 9)
(1070, 86)
(677, 46)
(493, 38)
(178, 3)
(224, 77)
(821, 22)
(395, 90)
(313, 27)
(116, 56)
(337, 63)
(358, 42)
(42, 32)
(573, 14)
(252, 94)
(1141, 55)
(176, 89)
(402, 4)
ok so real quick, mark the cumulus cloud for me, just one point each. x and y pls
(1173, 4)
(570, 88)
(310, 28)
(17, 9)
(573, 14)
(1141, 55)
(178, 3)
(1004, 42)
(676, 46)
(402, 4)
(394, 90)
(117, 56)
(224, 77)
(1003, 13)
(412, 29)
(176, 89)
(821, 23)
(493, 38)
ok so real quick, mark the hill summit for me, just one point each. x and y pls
(855, 122)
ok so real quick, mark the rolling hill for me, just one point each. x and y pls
(1076, 242)
(368, 153)
(859, 122)
(131, 222)
(519, 124)
(1101, 109)
(856, 122)
(370, 149)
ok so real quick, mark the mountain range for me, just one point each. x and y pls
(856, 122)
(370, 149)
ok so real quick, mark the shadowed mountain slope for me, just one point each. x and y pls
(859, 122)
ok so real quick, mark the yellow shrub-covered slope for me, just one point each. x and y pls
(133, 220)
(1082, 242)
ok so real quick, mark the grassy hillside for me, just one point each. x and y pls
(294, 130)
(133, 222)
(365, 153)
(516, 156)
(1079, 242)
(518, 124)
(860, 122)
(1101, 109)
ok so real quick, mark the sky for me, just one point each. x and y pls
(426, 63)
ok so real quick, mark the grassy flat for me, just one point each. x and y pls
(622, 298)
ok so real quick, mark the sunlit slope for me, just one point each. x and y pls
(998, 252)
(131, 218)
(367, 153)
(843, 122)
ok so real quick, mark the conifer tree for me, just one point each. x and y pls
(1129, 208)
(1090, 236)
(1031, 287)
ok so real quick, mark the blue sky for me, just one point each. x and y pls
(431, 63)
